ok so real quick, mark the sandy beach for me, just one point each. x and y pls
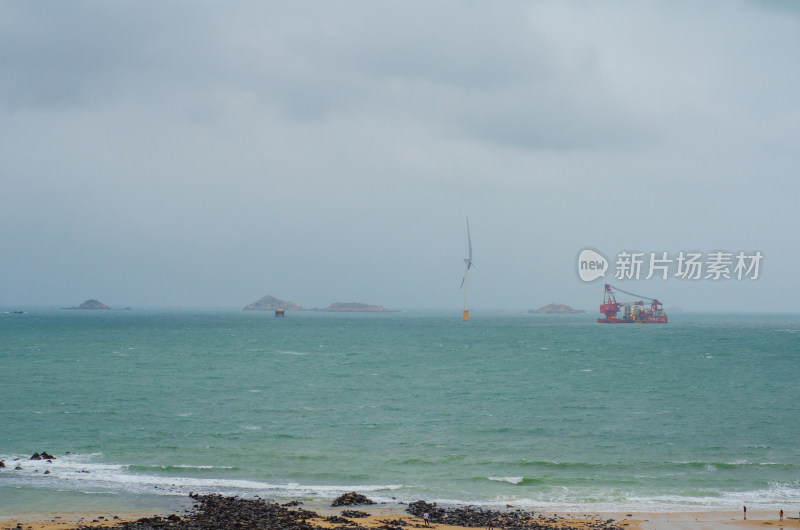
(395, 517)
(379, 518)
(715, 520)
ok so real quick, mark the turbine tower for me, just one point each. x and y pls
(465, 281)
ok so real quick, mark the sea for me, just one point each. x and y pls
(542, 412)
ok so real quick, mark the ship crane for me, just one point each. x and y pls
(632, 311)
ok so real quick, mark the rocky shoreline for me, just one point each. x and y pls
(218, 512)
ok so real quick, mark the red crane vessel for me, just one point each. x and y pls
(632, 312)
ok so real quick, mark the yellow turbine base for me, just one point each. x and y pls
(466, 314)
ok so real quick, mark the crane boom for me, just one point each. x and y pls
(631, 294)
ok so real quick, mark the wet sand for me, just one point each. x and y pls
(717, 520)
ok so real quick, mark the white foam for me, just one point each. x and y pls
(774, 497)
(83, 472)
(510, 480)
(80, 473)
(181, 466)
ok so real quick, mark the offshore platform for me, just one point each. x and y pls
(632, 312)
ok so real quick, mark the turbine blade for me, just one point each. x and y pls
(469, 239)
(477, 269)
(462, 282)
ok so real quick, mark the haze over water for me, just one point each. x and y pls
(541, 411)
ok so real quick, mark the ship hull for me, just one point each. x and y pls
(656, 319)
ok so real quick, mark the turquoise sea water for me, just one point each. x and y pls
(539, 411)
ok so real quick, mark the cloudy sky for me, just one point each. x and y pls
(194, 154)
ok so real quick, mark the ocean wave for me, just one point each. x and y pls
(678, 465)
(85, 473)
(711, 466)
(558, 464)
(510, 480)
(176, 467)
(77, 474)
(413, 461)
(611, 499)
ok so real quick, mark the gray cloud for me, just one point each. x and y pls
(198, 154)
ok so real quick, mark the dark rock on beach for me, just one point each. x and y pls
(394, 523)
(435, 514)
(213, 512)
(351, 499)
(2, 464)
(335, 519)
(476, 517)
(354, 514)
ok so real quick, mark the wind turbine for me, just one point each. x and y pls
(465, 281)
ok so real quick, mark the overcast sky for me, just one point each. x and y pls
(208, 153)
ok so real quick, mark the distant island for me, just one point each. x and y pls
(355, 307)
(559, 309)
(90, 304)
(270, 303)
